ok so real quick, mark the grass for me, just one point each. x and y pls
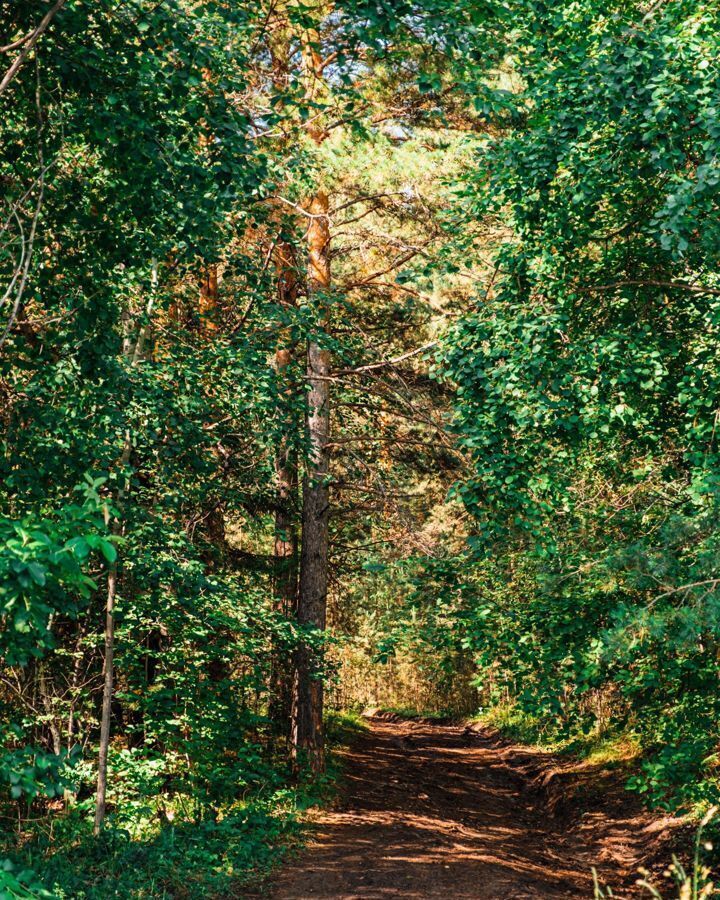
(409, 712)
(515, 724)
(341, 726)
(594, 749)
(609, 750)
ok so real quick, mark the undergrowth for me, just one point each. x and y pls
(410, 712)
(596, 747)
(173, 852)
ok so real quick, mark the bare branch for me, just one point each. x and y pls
(367, 199)
(29, 247)
(395, 264)
(29, 42)
(389, 362)
(15, 44)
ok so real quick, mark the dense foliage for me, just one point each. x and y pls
(587, 385)
(158, 161)
(122, 432)
(496, 226)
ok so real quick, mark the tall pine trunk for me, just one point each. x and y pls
(285, 576)
(308, 740)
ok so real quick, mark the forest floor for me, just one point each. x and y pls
(441, 811)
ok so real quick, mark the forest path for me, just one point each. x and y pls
(432, 811)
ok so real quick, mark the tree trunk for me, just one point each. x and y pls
(285, 579)
(135, 356)
(308, 741)
(108, 672)
(208, 306)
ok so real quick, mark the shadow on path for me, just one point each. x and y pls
(434, 812)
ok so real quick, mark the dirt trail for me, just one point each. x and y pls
(433, 811)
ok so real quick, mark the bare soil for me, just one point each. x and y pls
(441, 811)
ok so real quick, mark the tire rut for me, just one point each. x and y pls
(432, 811)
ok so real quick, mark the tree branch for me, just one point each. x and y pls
(389, 362)
(29, 42)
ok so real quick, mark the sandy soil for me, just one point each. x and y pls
(431, 811)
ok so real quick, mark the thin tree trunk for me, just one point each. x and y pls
(46, 697)
(108, 671)
(308, 743)
(137, 355)
(77, 666)
(208, 305)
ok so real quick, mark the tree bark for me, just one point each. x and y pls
(308, 743)
(285, 577)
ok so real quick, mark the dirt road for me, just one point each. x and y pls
(432, 811)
